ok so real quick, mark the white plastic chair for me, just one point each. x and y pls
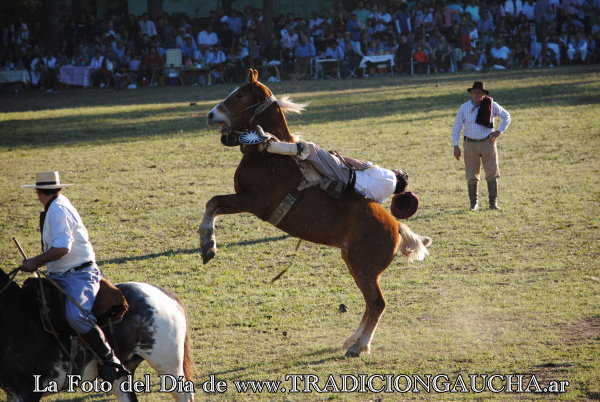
(174, 63)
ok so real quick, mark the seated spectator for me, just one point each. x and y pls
(145, 44)
(255, 50)
(96, 65)
(207, 37)
(354, 27)
(464, 29)
(189, 49)
(520, 56)
(37, 71)
(474, 60)
(403, 53)
(442, 55)
(420, 58)
(51, 70)
(237, 63)
(592, 49)
(314, 25)
(227, 38)
(107, 71)
(485, 26)
(350, 60)
(152, 66)
(216, 62)
(500, 55)
(303, 53)
(577, 48)
(273, 53)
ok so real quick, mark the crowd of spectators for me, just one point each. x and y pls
(422, 36)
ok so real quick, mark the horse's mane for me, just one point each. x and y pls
(286, 104)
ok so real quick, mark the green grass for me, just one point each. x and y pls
(515, 291)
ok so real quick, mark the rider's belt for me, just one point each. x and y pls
(77, 268)
(475, 140)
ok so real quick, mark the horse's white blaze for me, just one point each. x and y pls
(215, 116)
(232, 92)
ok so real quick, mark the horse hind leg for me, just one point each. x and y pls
(367, 280)
(351, 340)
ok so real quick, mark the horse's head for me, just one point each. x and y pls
(250, 105)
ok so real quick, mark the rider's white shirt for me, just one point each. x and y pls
(375, 183)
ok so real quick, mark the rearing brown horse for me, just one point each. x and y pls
(365, 232)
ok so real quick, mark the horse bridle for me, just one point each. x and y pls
(259, 107)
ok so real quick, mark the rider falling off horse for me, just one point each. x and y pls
(70, 260)
(367, 179)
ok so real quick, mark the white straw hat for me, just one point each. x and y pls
(47, 181)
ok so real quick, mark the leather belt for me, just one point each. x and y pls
(79, 267)
(475, 140)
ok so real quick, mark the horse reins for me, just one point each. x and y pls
(259, 107)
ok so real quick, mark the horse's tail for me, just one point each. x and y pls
(188, 361)
(412, 245)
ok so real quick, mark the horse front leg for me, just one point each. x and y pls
(219, 205)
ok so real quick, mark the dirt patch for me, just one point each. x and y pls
(584, 331)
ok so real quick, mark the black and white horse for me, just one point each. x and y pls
(153, 329)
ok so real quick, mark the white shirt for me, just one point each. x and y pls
(467, 113)
(96, 63)
(63, 228)
(375, 183)
(215, 57)
(207, 39)
(147, 27)
(529, 11)
(502, 53)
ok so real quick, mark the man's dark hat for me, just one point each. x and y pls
(479, 85)
(404, 205)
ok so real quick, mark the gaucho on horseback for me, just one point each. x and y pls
(70, 260)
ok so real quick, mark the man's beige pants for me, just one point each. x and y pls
(484, 151)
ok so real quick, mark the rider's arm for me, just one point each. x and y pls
(357, 164)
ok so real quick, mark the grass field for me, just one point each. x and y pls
(509, 292)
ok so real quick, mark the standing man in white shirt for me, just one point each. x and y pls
(479, 141)
(147, 26)
(70, 260)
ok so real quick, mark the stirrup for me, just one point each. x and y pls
(253, 137)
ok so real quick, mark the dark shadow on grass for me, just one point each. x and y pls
(170, 253)
(299, 362)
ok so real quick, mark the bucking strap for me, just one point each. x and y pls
(282, 209)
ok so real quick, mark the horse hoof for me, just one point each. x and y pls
(356, 350)
(351, 353)
(208, 255)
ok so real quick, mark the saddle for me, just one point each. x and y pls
(110, 304)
